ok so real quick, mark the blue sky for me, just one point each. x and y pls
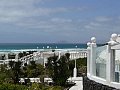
(52, 21)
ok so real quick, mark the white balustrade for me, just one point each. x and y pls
(112, 65)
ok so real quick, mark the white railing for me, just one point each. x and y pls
(106, 56)
(32, 80)
(43, 55)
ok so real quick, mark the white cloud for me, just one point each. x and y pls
(119, 17)
(61, 20)
(92, 25)
(95, 24)
(42, 17)
(16, 10)
(102, 24)
(45, 24)
(88, 27)
(103, 19)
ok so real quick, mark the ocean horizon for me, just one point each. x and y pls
(18, 46)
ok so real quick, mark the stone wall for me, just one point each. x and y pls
(92, 85)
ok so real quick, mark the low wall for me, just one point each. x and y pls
(92, 85)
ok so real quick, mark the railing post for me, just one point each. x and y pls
(110, 64)
(6, 56)
(93, 56)
(88, 57)
(16, 56)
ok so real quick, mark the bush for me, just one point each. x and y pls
(55, 88)
(59, 69)
(7, 86)
(34, 86)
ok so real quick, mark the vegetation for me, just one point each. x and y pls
(81, 65)
(3, 73)
(32, 70)
(34, 86)
(15, 70)
(8, 86)
(59, 69)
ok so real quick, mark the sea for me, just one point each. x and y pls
(20, 46)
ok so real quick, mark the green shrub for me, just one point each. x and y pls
(55, 88)
(7, 86)
(59, 69)
(35, 86)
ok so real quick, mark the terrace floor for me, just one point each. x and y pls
(78, 85)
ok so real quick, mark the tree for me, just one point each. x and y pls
(15, 70)
(67, 56)
(3, 72)
(59, 69)
(33, 69)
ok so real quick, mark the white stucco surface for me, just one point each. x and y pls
(118, 38)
